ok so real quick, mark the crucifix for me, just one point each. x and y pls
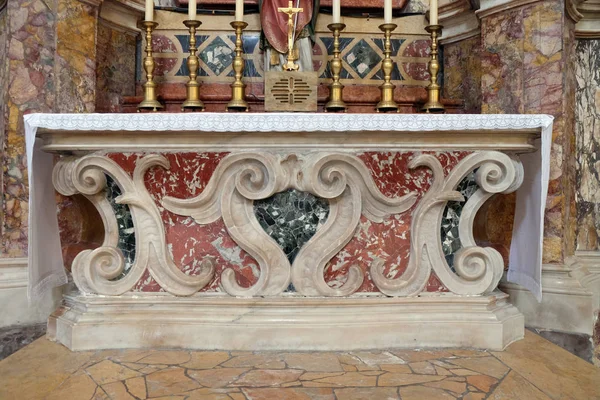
(290, 11)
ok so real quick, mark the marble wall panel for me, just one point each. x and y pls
(115, 68)
(188, 241)
(3, 85)
(462, 73)
(587, 115)
(31, 47)
(75, 56)
(526, 59)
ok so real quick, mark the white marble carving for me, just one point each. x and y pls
(94, 271)
(244, 177)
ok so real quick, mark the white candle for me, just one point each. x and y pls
(433, 12)
(192, 10)
(149, 10)
(239, 10)
(387, 11)
(336, 11)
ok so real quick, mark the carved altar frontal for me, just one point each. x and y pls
(255, 236)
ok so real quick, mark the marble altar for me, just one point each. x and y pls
(210, 264)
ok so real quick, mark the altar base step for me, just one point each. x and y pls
(217, 322)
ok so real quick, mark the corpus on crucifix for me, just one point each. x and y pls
(288, 40)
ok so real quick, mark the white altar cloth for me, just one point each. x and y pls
(46, 266)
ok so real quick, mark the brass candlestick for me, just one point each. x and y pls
(433, 104)
(336, 102)
(149, 101)
(238, 101)
(192, 101)
(387, 102)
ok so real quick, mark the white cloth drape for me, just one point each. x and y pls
(46, 268)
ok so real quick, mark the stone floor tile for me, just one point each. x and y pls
(348, 359)
(393, 379)
(482, 382)
(166, 357)
(421, 355)
(15, 338)
(399, 368)
(267, 377)
(423, 367)
(310, 376)
(484, 365)
(261, 361)
(474, 396)
(78, 386)
(289, 394)
(444, 363)
(208, 394)
(442, 371)
(469, 353)
(558, 373)
(40, 367)
(216, 378)
(100, 394)
(452, 386)
(463, 372)
(514, 386)
(170, 398)
(117, 391)
(376, 358)
(107, 371)
(325, 362)
(291, 384)
(366, 394)
(137, 387)
(422, 393)
(368, 367)
(130, 355)
(206, 359)
(133, 366)
(349, 379)
(237, 396)
(171, 381)
(349, 368)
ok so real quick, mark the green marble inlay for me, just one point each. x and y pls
(291, 218)
(451, 217)
(124, 222)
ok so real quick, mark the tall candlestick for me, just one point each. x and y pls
(387, 11)
(192, 10)
(433, 12)
(149, 10)
(239, 10)
(336, 11)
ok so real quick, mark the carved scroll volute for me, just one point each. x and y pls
(346, 181)
(239, 180)
(94, 271)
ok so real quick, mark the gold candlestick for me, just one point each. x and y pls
(433, 104)
(387, 102)
(336, 102)
(238, 101)
(192, 101)
(149, 101)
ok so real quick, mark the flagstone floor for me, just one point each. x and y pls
(530, 369)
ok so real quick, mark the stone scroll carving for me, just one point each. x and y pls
(241, 178)
(478, 269)
(95, 271)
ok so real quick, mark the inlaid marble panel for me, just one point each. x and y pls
(290, 218)
(361, 57)
(587, 117)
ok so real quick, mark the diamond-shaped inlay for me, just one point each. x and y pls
(217, 55)
(362, 58)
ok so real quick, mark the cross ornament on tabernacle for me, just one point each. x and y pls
(290, 11)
